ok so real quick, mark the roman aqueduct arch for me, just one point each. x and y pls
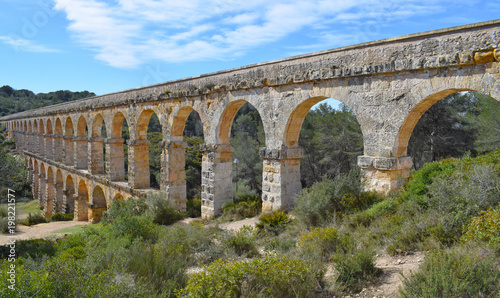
(388, 85)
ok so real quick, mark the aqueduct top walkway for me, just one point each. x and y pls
(388, 85)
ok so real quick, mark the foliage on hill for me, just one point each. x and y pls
(13, 173)
(462, 122)
(14, 101)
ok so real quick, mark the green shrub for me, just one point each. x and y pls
(161, 267)
(35, 248)
(243, 242)
(281, 244)
(69, 278)
(62, 217)
(460, 272)
(485, 227)
(405, 242)
(125, 208)
(277, 276)
(323, 241)
(355, 270)
(164, 211)
(327, 200)
(365, 218)
(244, 207)
(273, 223)
(3, 211)
(134, 227)
(193, 207)
(35, 219)
(4, 225)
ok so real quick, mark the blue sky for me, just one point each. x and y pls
(111, 45)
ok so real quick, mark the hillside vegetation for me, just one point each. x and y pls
(14, 101)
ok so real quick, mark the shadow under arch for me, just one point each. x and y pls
(69, 158)
(97, 163)
(58, 205)
(70, 195)
(81, 143)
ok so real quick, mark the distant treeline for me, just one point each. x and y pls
(15, 101)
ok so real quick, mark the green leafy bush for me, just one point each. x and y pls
(164, 211)
(237, 211)
(34, 219)
(34, 248)
(243, 242)
(193, 207)
(322, 241)
(485, 227)
(69, 278)
(273, 223)
(366, 217)
(62, 217)
(277, 276)
(459, 272)
(356, 269)
(325, 201)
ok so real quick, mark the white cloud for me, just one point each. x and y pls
(25, 45)
(128, 33)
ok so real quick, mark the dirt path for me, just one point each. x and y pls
(391, 279)
(44, 230)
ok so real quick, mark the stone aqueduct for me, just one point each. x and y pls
(388, 84)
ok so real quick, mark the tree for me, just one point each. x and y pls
(247, 136)
(447, 129)
(331, 140)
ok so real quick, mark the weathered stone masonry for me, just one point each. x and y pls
(388, 84)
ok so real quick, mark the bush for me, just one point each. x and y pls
(62, 217)
(365, 218)
(3, 211)
(69, 278)
(243, 242)
(237, 211)
(193, 207)
(322, 241)
(164, 211)
(325, 201)
(35, 248)
(485, 227)
(460, 272)
(125, 208)
(35, 219)
(355, 270)
(273, 223)
(134, 227)
(277, 276)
